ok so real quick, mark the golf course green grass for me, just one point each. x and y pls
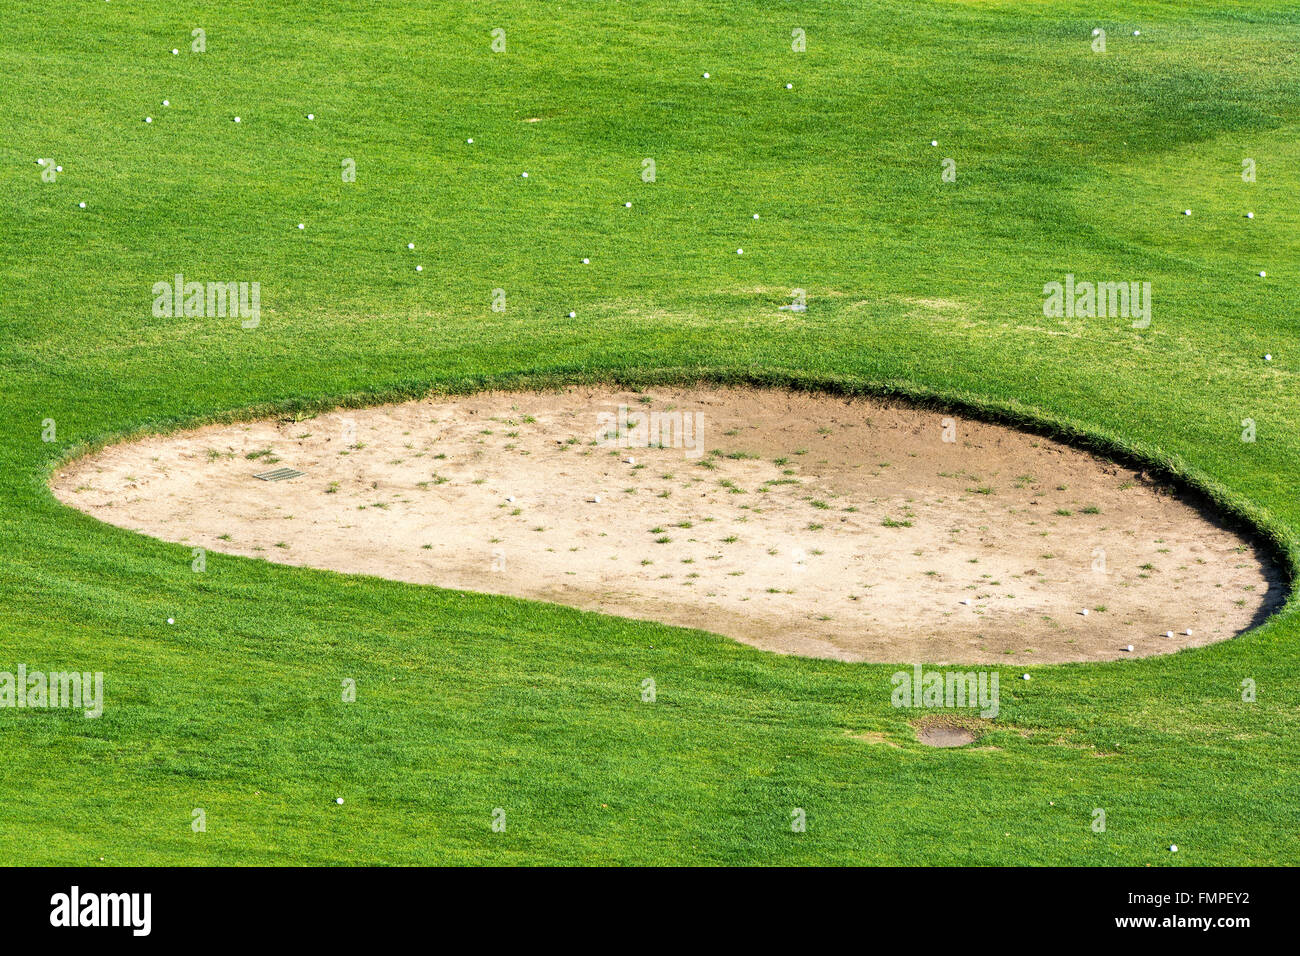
(1067, 161)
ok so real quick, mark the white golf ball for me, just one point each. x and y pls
(148, 119)
(302, 225)
(755, 215)
(525, 175)
(1169, 633)
(175, 52)
(1137, 33)
(1267, 358)
(81, 205)
(1084, 612)
(1263, 275)
(789, 86)
(1024, 677)
(1250, 215)
(965, 601)
(627, 205)
(311, 116)
(586, 262)
(706, 76)
(58, 169)
(740, 252)
(1187, 212)
(469, 140)
(1096, 30)
(167, 102)
(419, 268)
(171, 620)
(338, 800)
(1188, 632)
(410, 245)
(595, 499)
(237, 119)
(1128, 647)
(573, 315)
(1173, 848)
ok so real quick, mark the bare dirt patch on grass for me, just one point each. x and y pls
(799, 523)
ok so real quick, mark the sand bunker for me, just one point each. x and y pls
(806, 524)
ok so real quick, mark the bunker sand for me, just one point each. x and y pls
(807, 524)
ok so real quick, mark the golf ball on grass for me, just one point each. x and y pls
(470, 141)
(311, 116)
(339, 801)
(1250, 215)
(148, 119)
(419, 268)
(586, 262)
(1263, 275)
(1187, 212)
(238, 120)
(302, 225)
(1267, 358)
(81, 205)
(410, 245)
(573, 315)
(171, 620)
(167, 102)
(740, 252)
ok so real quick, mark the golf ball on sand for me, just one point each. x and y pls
(525, 175)
(789, 86)
(1173, 848)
